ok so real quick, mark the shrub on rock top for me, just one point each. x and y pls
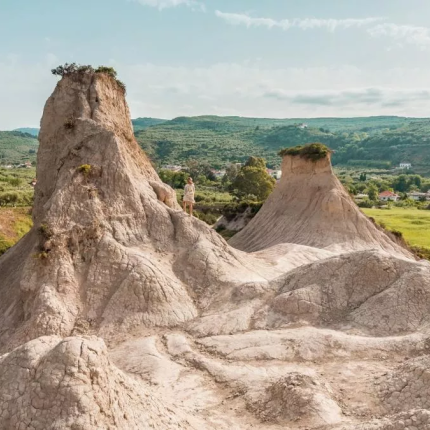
(73, 68)
(312, 151)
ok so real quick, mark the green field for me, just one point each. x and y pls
(413, 223)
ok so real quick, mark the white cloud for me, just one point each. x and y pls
(381, 97)
(246, 89)
(164, 4)
(252, 90)
(304, 24)
(403, 33)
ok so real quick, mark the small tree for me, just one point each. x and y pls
(373, 193)
(253, 179)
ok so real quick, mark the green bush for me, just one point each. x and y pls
(42, 255)
(69, 69)
(366, 204)
(226, 234)
(122, 86)
(16, 198)
(85, 169)
(4, 244)
(73, 68)
(231, 210)
(312, 151)
(107, 70)
(397, 233)
(208, 218)
(421, 252)
(45, 231)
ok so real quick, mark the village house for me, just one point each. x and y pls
(274, 173)
(406, 166)
(361, 196)
(172, 168)
(386, 196)
(417, 196)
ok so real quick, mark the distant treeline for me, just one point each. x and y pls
(374, 142)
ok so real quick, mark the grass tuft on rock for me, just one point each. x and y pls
(312, 151)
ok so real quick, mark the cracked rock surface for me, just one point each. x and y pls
(119, 311)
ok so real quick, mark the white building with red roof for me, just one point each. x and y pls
(386, 196)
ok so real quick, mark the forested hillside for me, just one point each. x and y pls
(142, 123)
(374, 142)
(380, 142)
(17, 147)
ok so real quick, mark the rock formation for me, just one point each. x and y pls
(311, 207)
(119, 311)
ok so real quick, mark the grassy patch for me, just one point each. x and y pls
(414, 224)
(14, 223)
(207, 197)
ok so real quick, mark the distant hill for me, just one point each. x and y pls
(376, 142)
(379, 142)
(17, 147)
(142, 123)
(138, 124)
(28, 130)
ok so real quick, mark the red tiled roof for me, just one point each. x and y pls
(387, 194)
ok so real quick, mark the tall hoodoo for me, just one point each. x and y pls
(309, 206)
(110, 246)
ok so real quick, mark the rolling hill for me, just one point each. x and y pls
(379, 142)
(29, 130)
(17, 147)
(142, 123)
(374, 142)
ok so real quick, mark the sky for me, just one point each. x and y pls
(255, 58)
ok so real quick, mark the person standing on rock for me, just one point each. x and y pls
(189, 191)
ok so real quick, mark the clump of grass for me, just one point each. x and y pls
(70, 123)
(42, 255)
(45, 231)
(397, 233)
(122, 86)
(208, 218)
(225, 233)
(107, 70)
(85, 169)
(421, 252)
(312, 151)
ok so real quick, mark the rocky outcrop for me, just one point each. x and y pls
(71, 384)
(119, 311)
(110, 248)
(309, 206)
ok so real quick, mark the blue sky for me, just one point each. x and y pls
(265, 58)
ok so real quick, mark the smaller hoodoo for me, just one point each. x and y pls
(310, 207)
